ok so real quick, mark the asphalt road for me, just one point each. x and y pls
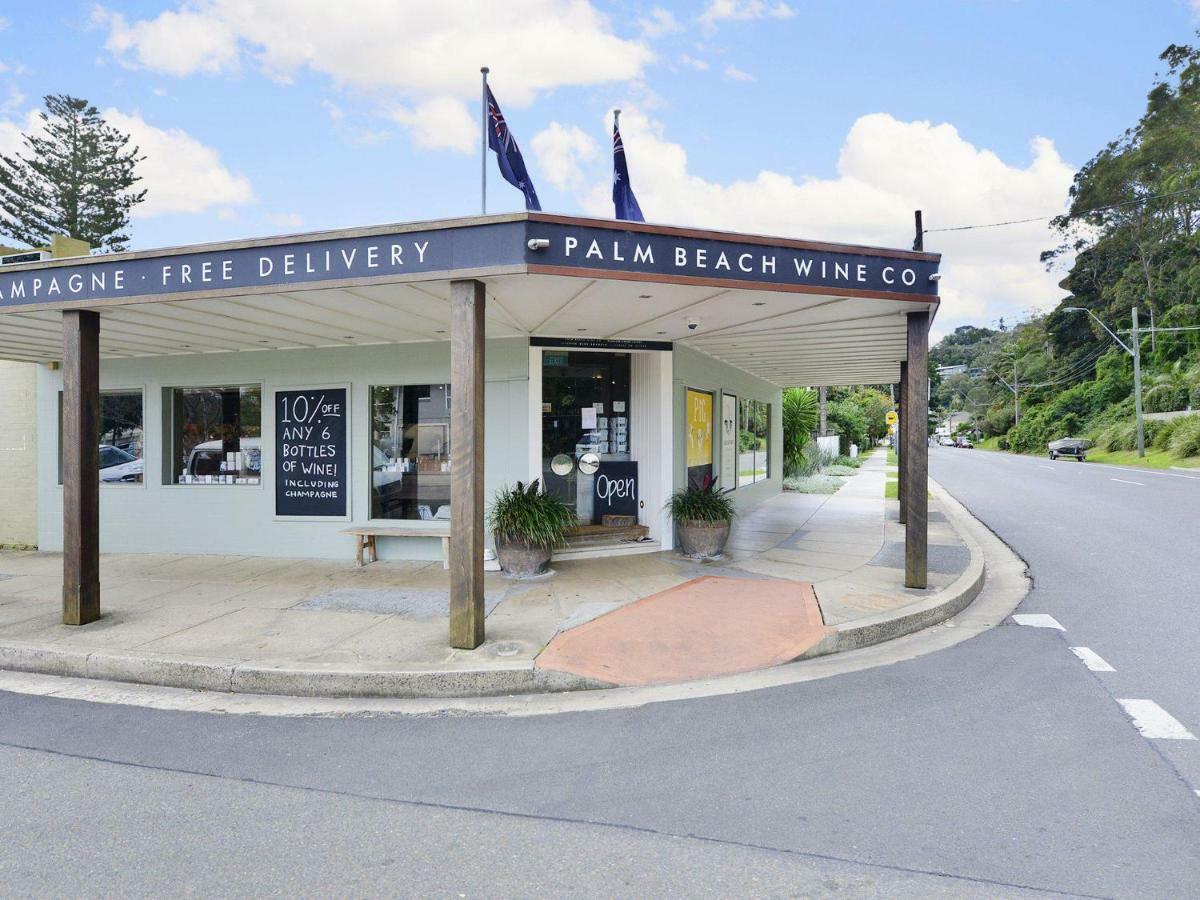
(1000, 767)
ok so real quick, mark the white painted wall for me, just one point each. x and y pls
(239, 519)
(18, 454)
(693, 369)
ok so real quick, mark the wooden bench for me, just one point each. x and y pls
(365, 535)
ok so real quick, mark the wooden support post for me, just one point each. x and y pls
(903, 413)
(466, 464)
(916, 456)
(81, 466)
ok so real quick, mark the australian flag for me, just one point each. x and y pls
(508, 154)
(623, 200)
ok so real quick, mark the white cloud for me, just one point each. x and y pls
(4, 23)
(693, 62)
(886, 169)
(733, 73)
(425, 54)
(181, 174)
(559, 150)
(176, 43)
(441, 123)
(742, 10)
(659, 22)
(286, 221)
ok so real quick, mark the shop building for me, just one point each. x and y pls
(260, 397)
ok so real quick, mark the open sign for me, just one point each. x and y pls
(615, 490)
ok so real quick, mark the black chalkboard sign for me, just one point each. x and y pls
(311, 462)
(615, 490)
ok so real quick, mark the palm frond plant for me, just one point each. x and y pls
(527, 524)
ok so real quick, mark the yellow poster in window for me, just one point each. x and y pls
(699, 428)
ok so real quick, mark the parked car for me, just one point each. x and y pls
(964, 443)
(206, 458)
(946, 441)
(117, 465)
(1076, 448)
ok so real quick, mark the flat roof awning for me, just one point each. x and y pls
(791, 312)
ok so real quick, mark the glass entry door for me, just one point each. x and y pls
(585, 421)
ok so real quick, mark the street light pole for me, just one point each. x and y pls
(1136, 352)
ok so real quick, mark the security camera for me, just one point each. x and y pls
(538, 243)
(693, 324)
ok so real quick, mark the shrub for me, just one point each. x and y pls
(1185, 436)
(526, 513)
(812, 484)
(812, 460)
(702, 502)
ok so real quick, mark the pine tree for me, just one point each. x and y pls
(74, 177)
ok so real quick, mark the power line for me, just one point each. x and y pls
(1085, 212)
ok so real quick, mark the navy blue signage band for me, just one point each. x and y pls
(534, 245)
(599, 343)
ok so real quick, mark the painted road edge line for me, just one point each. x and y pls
(1155, 722)
(1092, 659)
(1037, 620)
(1123, 481)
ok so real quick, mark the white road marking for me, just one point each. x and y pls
(1037, 620)
(1123, 481)
(1051, 468)
(1155, 722)
(1092, 659)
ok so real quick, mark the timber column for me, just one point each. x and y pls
(466, 463)
(916, 452)
(81, 466)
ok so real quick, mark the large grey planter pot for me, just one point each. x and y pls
(519, 560)
(702, 540)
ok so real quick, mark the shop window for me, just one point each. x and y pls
(120, 437)
(410, 451)
(215, 435)
(699, 435)
(754, 441)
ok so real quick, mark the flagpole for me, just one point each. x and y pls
(616, 119)
(484, 150)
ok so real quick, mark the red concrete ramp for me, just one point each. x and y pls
(707, 626)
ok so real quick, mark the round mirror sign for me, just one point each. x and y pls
(562, 465)
(589, 463)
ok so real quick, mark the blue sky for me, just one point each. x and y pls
(821, 120)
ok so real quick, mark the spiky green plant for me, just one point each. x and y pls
(702, 501)
(800, 414)
(526, 513)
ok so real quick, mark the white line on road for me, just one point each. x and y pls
(1092, 659)
(1123, 481)
(1037, 620)
(1155, 722)
(1051, 468)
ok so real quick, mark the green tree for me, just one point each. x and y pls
(75, 176)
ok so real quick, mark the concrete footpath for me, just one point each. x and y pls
(804, 575)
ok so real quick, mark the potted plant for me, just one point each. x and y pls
(702, 515)
(527, 524)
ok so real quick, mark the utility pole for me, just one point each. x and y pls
(1136, 352)
(919, 240)
(1137, 386)
(1016, 395)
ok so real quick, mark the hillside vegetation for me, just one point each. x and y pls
(1131, 234)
